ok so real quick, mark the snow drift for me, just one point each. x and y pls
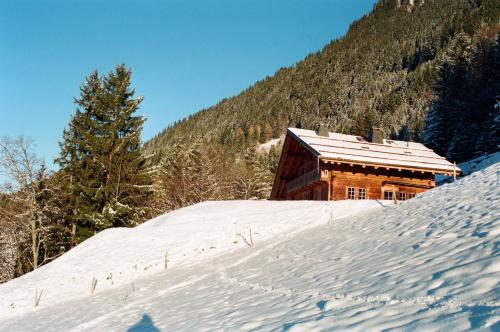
(429, 263)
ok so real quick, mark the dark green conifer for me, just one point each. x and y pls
(100, 155)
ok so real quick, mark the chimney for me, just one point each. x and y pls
(323, 131)
(376, 136)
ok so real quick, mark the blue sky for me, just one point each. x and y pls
(185, 55)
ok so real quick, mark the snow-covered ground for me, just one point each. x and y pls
(430, 263)
(265, 147)
(471, 166)
(119, 256)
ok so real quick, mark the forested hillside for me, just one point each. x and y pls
(387, 71)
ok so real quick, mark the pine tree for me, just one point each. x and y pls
(494, 129)
(126, 178)
(268, 133)
(100, 155)
(81, 173)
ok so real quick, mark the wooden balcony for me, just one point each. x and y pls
(306, 180)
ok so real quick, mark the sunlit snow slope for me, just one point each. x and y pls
(192, 235)
(430, 263)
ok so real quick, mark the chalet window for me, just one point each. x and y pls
(362, 193)
(402, 196)
(411, 195)
(351, 193)
(388, 195)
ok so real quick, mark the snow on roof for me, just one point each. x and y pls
(356, 149)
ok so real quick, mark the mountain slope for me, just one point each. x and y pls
(382, 73)
(420, 70)
(428, 263)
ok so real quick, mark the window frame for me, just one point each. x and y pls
(348, 193)
(364, 193)
(388, 193)
(402, 196)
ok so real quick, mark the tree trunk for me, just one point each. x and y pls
(73, 230)
(34, 246)
(73, 220)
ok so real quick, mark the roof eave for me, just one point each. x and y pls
(398, 167)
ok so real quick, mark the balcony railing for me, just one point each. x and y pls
(308, 178)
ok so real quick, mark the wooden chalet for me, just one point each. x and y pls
(319, 165)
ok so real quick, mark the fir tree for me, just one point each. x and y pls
(126, 178)
(100, 155)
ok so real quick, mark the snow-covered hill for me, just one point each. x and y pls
(119, 256)
(471, 166)
(431, 263)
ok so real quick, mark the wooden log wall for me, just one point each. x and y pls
(375, 181)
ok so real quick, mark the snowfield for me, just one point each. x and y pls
(471, 166)
(430, 263)
(118, 256)
(265, 147)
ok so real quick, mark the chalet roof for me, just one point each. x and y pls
(356, 149)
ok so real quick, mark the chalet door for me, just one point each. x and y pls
(317, 193)
(320, 193)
